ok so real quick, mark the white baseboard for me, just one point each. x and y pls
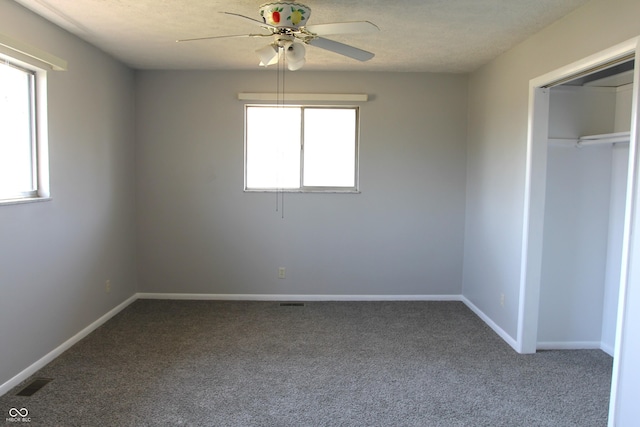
(569, 345)
(49, 357)
(288, 297)
(493, 325)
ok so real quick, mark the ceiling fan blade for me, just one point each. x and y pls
(357, 27)
(250, 20)
(341, 48)
(224, 37)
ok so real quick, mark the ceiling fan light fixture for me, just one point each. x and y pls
(268, 55)
(294, 52)
(293, 66)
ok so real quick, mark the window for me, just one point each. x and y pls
(301, 148)
(18, 159)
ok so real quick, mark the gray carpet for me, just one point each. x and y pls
(210, 363)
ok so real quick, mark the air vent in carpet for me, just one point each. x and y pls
(291, 304)
(34, 386)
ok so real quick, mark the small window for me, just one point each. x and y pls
(301, 148)
(18, 151)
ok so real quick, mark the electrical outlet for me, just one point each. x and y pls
(281, 273)
(502, 300)
(107, 286)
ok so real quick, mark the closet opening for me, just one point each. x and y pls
(589, 128)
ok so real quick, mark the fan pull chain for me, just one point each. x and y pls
(282, 105)
(279, 103)
(277, 157)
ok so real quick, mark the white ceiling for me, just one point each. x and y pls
(415, 35)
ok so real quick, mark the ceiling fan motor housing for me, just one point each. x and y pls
(285, 14)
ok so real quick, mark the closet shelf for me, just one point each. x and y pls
(583, 141)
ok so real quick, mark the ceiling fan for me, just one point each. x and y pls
(286, 22)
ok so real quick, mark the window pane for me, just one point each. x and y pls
(273, 147)
(329, 147)
(16, 174)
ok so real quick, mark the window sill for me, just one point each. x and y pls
(24, 200)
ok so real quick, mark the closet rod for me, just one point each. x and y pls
(609, 138)
(584, 141)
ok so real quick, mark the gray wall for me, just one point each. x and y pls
(497, 129)
(199, 233)
(55, 256)
(498, 119)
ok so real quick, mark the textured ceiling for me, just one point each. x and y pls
(415, 35)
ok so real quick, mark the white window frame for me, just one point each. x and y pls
(39, 143)
(302, 188)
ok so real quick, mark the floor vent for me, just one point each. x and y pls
(291, 304)
(34, 386)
